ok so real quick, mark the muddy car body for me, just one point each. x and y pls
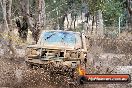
(59, 48)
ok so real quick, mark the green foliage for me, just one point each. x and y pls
(111, 12)
(95, 5)
(57, 8)
(111, 9)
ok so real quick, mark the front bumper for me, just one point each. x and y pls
(56, 63)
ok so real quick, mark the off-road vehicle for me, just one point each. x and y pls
(57, 49)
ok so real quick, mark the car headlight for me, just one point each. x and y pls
(82, 55)
(35, 52)
(31, 51)
(73, 55)
(67, 55)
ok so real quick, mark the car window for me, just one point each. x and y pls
(59, 37)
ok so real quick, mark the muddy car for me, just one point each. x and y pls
(57, 48)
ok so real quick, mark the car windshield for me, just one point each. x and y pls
(59, 37)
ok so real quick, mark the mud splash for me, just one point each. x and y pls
(15, 74)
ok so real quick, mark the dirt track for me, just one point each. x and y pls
(15, 74)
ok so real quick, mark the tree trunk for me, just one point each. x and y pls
(67, 21)
(96, 21)
(71, 24)
(129, 7)
(61, 22)
(6, 8)
(24, 7)
(10, 28)
(75, 22)
(26, 12)
(63, 18)
(93, 20)
(100, 24)
(41, 19)
(42, 15)
(3, 5)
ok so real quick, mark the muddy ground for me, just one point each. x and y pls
(117, 56)
(15, 74)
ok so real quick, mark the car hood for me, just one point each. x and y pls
(52, 47)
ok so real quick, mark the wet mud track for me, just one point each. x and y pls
(15, 74)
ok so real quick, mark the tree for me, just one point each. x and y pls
(41, 19)
(111, 12)
(60, 10)
(129, 8)
(6, 8)
(35, 22)
(91, 9)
